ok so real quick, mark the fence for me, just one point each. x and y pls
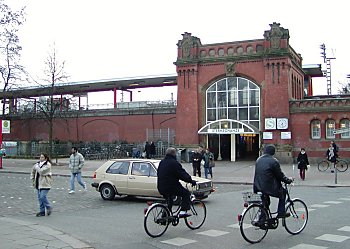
(90, 150)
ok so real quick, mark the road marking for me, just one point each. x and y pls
(319, 206)
(344, 199)
(332, 202)
(178, 241)
(213, 233)
(333, 237)
(234, 225)
(307, 246)
(346, 229)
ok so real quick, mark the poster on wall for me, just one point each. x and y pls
(286, 135)
(267, 135)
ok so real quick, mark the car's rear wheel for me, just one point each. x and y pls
(107, 192)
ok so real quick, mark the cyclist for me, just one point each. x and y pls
(170, 171)
(267, 180)
(332, 153)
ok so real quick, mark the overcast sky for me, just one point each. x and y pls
(114, 39)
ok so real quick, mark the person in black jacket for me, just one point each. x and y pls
(196, 162)
(303, 163)
(267, 180)
(169, 173)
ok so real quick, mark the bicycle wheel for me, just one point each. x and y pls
(298, 218)
(198, 213)
(248, 225)
(323, 165)
(342, 165)
(156, 220)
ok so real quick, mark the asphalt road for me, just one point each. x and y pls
(119, 223)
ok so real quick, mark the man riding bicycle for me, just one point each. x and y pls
(267, 180)
(332, 152)
(170, 171)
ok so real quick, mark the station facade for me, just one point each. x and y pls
(233, 98)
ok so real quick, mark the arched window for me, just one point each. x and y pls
(234, 98)
(315, 129)
(330, 128)
(345, 124)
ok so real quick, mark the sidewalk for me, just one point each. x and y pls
(224, 172)
(241, 173)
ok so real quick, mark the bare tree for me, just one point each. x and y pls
(54, 73)
(11, 71)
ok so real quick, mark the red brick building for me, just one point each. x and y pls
(233, 97)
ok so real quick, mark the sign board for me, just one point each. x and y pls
(6, 126)
(286, 135)
(225, 131)
(340, 131)
(267, 135)
(270, 123)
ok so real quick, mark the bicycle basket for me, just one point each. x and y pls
(250, 197)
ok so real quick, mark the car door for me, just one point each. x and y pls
(143, 179)
(117, 173)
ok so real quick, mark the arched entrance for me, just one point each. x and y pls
(233, 118)
(232, 140)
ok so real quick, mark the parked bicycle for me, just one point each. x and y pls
(256, 219)
(158, 216)
(341, 165)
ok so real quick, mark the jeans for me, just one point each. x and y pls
(43, 202)
(208, 170)
(72, 177)
(281, 202)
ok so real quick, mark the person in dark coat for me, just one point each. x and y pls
(147, 150)
(196, 162)
(267, 180)
(152, 150)
(303, 163)
(169, 173)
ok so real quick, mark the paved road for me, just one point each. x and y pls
(17, 199)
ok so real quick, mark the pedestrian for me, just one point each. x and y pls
(76, 163)
(42, 181)
(147, 150)
(331, 154)
(267, 180)
(152, 150)
(196, 159)
(208, 160)
(303, 163)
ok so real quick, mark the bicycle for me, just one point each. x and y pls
(254, 227)
(341, 165)
(158, 217)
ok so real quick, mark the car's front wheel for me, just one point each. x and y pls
(107, 192)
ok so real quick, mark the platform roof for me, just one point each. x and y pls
(76, 88)
(313, 70)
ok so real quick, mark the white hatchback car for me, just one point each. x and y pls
(137, 177)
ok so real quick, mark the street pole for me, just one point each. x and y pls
(335, 174)
(0, 142)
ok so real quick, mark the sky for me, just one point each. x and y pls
(114, 39)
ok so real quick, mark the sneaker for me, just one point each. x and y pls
(49, 211)
(71, 192)
(285, 215)
(85, 188)
(40, 214)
